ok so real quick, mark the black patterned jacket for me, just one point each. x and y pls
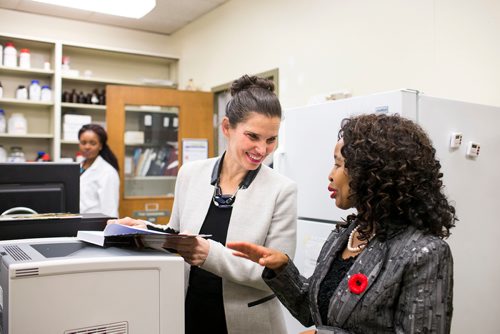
(410, 287)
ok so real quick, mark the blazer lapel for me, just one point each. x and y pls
(368, 263)
(200, 202)
(333, 245)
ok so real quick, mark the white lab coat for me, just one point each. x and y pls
(100, 189)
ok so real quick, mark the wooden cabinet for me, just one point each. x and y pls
(172, 115)
(88, 68)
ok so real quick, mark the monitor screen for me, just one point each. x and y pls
(44, 187)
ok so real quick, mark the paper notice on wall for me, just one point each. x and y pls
(194, 149)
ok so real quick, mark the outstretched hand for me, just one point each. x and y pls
(267, 257)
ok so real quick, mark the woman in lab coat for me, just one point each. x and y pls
(99, 180)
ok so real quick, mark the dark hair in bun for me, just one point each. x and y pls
(252, 94)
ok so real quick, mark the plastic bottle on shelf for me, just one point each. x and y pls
(1, 54)
(21, 93)
(17, 124)
(9, 55)
(46, 94)
(3, 122)
(35, 90)
(24, 58)
(3, 154)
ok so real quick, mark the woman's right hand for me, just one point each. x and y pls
(267, 257)
(129, 222)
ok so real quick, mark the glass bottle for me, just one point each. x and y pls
(73, 96)
(102, 97)
(65, 97)
(94, 99)
(16, 154)
(82, 98)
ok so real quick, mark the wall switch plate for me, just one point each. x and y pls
(456, 140)
(473, 149)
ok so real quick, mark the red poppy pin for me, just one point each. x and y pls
(358, 283)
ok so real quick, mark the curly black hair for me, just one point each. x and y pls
(395, 177)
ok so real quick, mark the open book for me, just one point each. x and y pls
(122, 235)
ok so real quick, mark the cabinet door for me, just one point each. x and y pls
(145, 128)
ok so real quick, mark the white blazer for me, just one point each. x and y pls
(100, 189)
(265, 213)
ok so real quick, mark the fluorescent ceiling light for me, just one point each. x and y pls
(128, 8)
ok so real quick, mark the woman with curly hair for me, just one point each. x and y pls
(388, 269)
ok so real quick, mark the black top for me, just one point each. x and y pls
(337, 272)
(204, 302)
(204, 306)
(216, 223)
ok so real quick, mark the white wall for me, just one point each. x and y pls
(445, 48)
(53, 28)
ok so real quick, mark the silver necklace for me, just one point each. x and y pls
(223, 201)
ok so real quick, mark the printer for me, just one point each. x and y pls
(63, 285)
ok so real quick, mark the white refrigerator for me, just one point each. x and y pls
(305, 154)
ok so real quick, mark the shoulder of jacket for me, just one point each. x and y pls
(272, 175)
(415, 242)
(194, 167)
(104, 164)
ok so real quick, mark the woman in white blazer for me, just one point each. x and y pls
(231, 198)
(99, 180)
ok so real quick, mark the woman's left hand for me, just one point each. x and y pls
(193, 250)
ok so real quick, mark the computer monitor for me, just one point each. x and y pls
(44, 187)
